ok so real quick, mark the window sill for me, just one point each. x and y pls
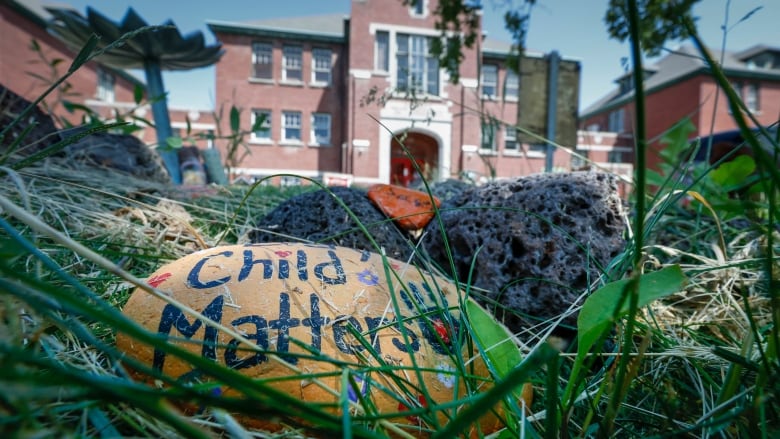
(296, 143)
(292, 83)
(319, 84)
(419, 97)
(529, 154)
(489, 98)
(254, 80)
(488, 152)
(510, 98)
(263, 142)
(380, 73)
(319, 145)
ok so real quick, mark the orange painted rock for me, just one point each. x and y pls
(410, 209)
(326, 312)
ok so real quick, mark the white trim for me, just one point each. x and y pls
(360, 73)
(603, 148)
(265, 172)
(469, 82)
(361, 143)
(469, 148)
(368, 180)
(194, 126)
(394, 29)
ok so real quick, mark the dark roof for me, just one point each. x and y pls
(328, 27)
(681, 64)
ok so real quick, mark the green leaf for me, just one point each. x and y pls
(235, 119)
(733, 173)
(259, 122)
(138, 94)
(598, 311)
(676, 140)
(502, 353)
(85, 53)
(174, 142)
(34, 46)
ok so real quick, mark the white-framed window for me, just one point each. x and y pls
(292, 63)
(322, 63)
(382, 51)
(616, 121)
(418, 8)
(105, 85)
(751, 97)
(263, 134)
(489, 133)
(510, 138)
(537, 150)
(291, 126)
(511, 85)
(417, 70)
(262, 60)
(615, 156)
(489, 80)
(320, 129)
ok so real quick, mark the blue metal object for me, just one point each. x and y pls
(552, 108)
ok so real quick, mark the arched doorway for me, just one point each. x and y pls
(422, 148)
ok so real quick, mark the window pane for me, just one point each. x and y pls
(512, 84)
(488, 134)
(262, 64)
(265, 128)
(382, 51)
(510, 138)
(417, 70)
(321, 128)
(489, 80)
(293, 61)
(751, 97)
(292, 125)
(105, 86)
(321, 65)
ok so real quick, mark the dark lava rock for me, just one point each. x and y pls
(122, 152)
(318, 217)
(535, 243)
(41, 134)
(447, 190)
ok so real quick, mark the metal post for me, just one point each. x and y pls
(162, 121)
(552, 108)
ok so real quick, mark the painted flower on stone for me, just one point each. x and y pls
(368, 278)
(363, 389)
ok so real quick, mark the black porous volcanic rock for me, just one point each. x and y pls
(41, 127)
(318, 217)
(446, 190)
(535, 243)
(121, 152)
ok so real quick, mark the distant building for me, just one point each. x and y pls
(339, 96)
(28, 73)
(680, 85)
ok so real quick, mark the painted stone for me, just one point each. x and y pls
(320, 309)
(410, 209)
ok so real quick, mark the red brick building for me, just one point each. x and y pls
(340, 94)
(28, 71)
(31, 60)
(680, 85)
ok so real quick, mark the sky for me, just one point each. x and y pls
(575, 28)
